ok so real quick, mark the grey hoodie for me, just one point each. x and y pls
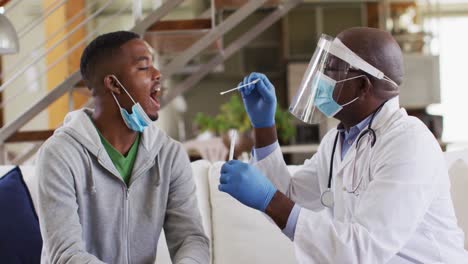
(88, 215)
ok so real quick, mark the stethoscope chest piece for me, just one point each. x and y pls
(327, 199)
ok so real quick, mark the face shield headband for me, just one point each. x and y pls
(329, 66)
(340, 50)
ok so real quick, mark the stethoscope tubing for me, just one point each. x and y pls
(370, 131)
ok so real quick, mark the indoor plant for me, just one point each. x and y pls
(232, 115)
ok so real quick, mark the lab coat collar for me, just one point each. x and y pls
(384, 117)
(388, 110)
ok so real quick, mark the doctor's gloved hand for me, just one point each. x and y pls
(259, 100)
(247, 184)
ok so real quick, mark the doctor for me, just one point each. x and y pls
(377, 190)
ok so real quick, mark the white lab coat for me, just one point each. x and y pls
(402, 211)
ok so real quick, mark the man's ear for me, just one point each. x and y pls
(111, 84)
(366, 87)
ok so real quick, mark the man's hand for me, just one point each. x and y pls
(259, 100)
(247, 184)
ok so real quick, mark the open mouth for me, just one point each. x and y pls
(155, 94)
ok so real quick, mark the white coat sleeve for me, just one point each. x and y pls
(405, 175)
(302, 187)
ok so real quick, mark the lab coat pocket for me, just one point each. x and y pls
(354, 188)
(358, 173)
(363, 178)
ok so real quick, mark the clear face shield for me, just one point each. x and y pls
(330, 67)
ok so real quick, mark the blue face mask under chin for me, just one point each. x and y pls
(324, 96)
(138, 120)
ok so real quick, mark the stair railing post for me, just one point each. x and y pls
(71, 103)
(213, 13)
(137, 11)
(156, 4)
(2, 153)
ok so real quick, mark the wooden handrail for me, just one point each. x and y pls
(30, 136)
(80, 84)
(186, 24)
(4, 2)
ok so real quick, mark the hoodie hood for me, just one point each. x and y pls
(78, 125)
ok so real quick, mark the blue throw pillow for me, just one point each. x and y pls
(20, 237)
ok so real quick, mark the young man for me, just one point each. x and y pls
(109, 181)
(377, 190)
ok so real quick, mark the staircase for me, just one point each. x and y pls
(179, 45)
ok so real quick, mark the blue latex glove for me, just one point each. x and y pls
(259, 100)
(247, 184)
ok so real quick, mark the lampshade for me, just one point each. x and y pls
(9, 42)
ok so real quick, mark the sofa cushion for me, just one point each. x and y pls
(20, 240)
(28, 172)
(457, 163)
(200, 174)
(200, 169)
(241, 234)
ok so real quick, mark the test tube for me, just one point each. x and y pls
(232, 137)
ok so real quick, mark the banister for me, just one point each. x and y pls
(13, 126)
(9, 69)
(64, 38)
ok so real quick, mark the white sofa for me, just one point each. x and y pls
(242, 235)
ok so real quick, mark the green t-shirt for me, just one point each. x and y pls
(123, 164)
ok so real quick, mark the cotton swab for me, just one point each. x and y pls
(238, 87)
(232, 137)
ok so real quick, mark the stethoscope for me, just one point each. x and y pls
(327, 197)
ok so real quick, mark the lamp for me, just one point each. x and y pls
(9, 42)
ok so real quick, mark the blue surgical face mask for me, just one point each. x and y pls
(324, 96)
(138, 120)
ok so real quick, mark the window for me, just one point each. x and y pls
(453, 48)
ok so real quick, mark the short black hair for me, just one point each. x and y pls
(102, 47)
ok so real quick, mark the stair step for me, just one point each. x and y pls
(235, 4)
(4, 2)
(171, 37)
(185, 24)
(30, 136)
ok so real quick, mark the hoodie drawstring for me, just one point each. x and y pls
(90, 174)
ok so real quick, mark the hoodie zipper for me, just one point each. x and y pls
(127, 218)
(126, 226)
